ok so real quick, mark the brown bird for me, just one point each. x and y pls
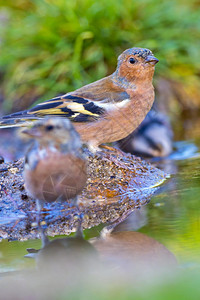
(55, 167)
(106, 110)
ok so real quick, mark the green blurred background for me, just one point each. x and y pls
(55, 46)
(49, 47)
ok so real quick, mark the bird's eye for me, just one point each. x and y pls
(49, 127)
(132, 60)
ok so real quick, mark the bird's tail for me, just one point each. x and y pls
(19, 119)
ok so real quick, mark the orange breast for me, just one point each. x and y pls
(119, 123)
(56, 176)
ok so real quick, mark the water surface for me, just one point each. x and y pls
(172, 217)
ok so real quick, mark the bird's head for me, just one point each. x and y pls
(54, 131)
(136, 64)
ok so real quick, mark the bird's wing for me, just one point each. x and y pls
(76, 108)
(19, 119)
(82, 105)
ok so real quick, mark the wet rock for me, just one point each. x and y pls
(116, 185)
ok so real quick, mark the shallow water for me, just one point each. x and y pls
(172, 217)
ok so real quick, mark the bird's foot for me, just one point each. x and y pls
(105, 152)
(40, 226)
(113, 154)
(79, 230)
(39, 208)
(113, 149)
(93, 148)
(115, 159)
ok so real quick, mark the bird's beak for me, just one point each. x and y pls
(32, 132)
(151, 60)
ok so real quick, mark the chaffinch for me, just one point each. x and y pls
(153, 137)
(55, 167)
(106, 110)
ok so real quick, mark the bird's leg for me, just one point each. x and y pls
(44, 238)
(113, 149)
(32, 253)
(112, 157)
(39, 208)
(113, 154)
(93, 147)
(79, 230)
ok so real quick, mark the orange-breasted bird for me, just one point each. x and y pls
(106, 110)
(55, 166)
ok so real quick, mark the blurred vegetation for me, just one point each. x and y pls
(49, 47)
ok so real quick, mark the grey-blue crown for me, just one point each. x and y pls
(141, 52)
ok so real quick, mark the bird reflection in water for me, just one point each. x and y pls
(63, 254)
(115, 250)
